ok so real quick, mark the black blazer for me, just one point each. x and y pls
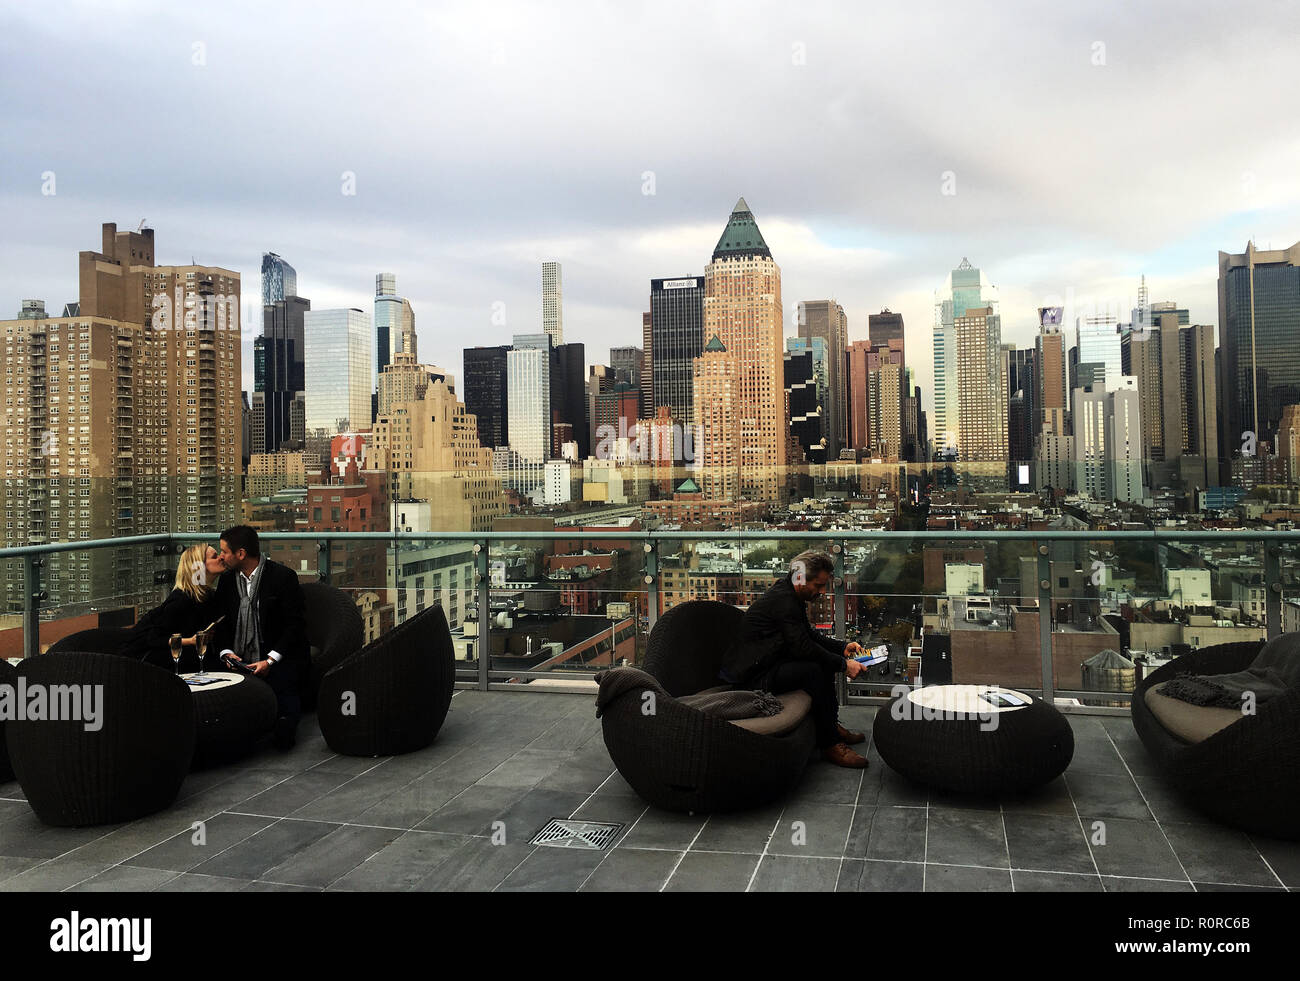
(776, 629)
(279, 608)
(179, 614)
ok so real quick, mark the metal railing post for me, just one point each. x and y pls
(1045, 621)
(323, 560)
(651, 550)
(32, 596)
(838, 617)
(1273, 590)
(484, 612)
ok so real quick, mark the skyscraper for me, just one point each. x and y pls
(1052, 402)
(1174, 370)
(279, 279)
(339, 370)
(279, 371)
(428, 444)
(1259, 322)
(1019, 382)
(811, 396)
(569, 392)
(885, 329)
(743, 313)
(826, 319)
(963, 292)
(528, 403)
(486, 395)
(394, 323)
(886, 389)
(1107, 441)
(626, 362)
(981, 398)
(647, 369)
(122, 417)
(807, 427)
(677, 337)
(552, 303)
(1098, 341)
(855, 359)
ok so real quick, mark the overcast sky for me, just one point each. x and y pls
(1087, 144)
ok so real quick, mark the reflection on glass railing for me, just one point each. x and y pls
(949, 608)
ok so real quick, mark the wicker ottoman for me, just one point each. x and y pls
(952, 737)
(231, 715)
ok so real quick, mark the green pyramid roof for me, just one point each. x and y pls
(741, 236)
(688, 486)
(714, 344)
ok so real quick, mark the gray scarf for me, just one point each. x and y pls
(248, 629)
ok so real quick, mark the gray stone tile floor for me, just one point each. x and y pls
(460, 815)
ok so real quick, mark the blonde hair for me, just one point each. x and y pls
(192, 574)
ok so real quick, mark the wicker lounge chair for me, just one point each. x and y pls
(7, 677)
(681, 759)
(335, 631)
(131, 766)
(1246, 774)
(391, 696)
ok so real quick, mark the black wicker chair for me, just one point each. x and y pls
(8, 676)
(131, 766)
(1246, 775)
(392, 696)
(99, 640)
(682, 759)
(335, 631)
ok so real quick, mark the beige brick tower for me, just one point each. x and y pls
(742, 310)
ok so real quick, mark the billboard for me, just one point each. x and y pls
(1050, 316)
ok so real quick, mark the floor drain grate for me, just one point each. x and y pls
(577, 834)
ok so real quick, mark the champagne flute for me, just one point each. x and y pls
(201, 645)
(174, 645)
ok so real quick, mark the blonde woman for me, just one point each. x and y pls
(186, 610)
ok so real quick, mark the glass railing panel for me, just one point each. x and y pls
(566, 606)
(1287, 578)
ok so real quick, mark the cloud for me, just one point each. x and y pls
(1088, 144)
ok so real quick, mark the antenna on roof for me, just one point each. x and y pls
(1142, 294)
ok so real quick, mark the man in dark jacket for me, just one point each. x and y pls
(263, 626)
(778, 651)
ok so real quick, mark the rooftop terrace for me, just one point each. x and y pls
(311, 820)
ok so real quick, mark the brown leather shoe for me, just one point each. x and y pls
(841, 755)
(848, 737)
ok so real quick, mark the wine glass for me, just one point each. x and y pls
(201, 645)
(174, 645)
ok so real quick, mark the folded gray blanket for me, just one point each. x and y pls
(1276, 669)
(724, 704)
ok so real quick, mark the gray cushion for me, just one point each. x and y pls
(1190, 723)
(795, 705)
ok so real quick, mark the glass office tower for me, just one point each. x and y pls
(1259, 322)
(338, 370)
(677, 338)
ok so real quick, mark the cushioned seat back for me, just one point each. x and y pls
(100, 640)
(688, 643)
(335, 631)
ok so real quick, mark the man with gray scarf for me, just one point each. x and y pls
(262, 626)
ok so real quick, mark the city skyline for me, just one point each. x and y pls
(1055, 210)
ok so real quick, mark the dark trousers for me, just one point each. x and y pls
(819, 683)
(285, 680)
